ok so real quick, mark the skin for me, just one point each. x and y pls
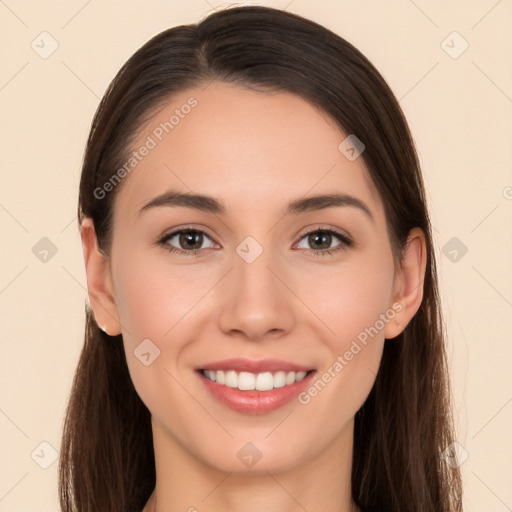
(255, 152)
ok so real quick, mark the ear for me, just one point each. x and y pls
(408, 284)
(99, 281)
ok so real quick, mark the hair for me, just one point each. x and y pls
(107, 457)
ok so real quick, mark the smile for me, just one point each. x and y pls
(247, 381)
(255, 386)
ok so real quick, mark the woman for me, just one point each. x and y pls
(264, 329)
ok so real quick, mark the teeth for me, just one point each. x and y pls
(290, 378)
(265, 381)
(280, 379)
(231, 379)
(246, 381)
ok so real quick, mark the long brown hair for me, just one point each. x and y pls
(107, 461)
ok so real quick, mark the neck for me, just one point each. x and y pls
(185, 483)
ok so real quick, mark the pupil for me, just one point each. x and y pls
(188, 239)
(320, 236)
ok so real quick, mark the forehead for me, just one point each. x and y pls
(243, 147)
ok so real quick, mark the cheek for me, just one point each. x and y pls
(354, 306)
(155, 302)
(150, 303)
(152, 297)
(352, 299)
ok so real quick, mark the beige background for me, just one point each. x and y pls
(459, 110)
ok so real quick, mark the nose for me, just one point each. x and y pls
(255, 300)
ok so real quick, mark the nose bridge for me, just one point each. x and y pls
(255, 301)
(254, 280)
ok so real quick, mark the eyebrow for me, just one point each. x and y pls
(212, 205)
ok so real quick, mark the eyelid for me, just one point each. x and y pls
(175, 231)
(345, 239)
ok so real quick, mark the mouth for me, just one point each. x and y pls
(247, 381)
(255, 387)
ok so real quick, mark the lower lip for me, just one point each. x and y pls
(256, 402)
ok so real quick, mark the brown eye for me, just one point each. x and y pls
(185, 241)
(320, 241)
(190, 239)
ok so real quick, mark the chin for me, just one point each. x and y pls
(254, 457)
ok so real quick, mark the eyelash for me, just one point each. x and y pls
(345, 241)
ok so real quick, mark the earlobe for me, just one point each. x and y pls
(408, 286)
(99, 281)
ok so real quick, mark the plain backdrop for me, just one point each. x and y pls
(448, 63)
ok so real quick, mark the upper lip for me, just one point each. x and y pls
(255, 366)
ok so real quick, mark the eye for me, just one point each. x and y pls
(324, 238)
(189, 241)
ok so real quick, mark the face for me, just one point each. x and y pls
(243, 284)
